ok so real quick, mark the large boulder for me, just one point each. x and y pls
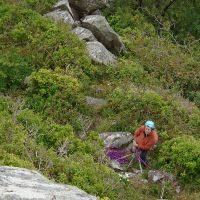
(84, 34)
(17, 183)
(88, 6)
(99, 54)
(104, 33)
(116, 139)
(61, 15)
(64, 5)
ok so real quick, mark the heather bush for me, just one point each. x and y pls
(181, 156)
(56, 94)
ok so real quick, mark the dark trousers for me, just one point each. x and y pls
(143, 157)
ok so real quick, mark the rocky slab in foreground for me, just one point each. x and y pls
(17, 183)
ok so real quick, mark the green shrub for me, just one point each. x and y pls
(131, 107)
(125, 71)
(56, 94)
(7, 159)
(12, 136)
(181, 156)
(97, 178)
(41, 6)
(54, 136)
(6, 104)
(13, 70)
(42, 43)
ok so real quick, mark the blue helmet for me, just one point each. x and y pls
(150, 124)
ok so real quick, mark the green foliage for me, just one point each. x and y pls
(12, 137)
(13, 70)
(7, 159)
(58, 47)
(37, 42)
(56, 94)
(166, 62)
(181, 157)
(6, 104)
(54, 131)
(40, 5)
(97, 179)
(125, 71)
(173, 65)
(128, 109)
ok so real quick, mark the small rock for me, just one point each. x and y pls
(84, 34)
(156, 175)
(99, 54)
(116, 139)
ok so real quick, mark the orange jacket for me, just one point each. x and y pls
(145, 142)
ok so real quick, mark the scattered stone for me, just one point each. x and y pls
(156, 176)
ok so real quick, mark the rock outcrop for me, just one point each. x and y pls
(84, 34)
(88, 6)
(89, 24)
(17, 183)
(99, 54)
(116, 139)
(61, 15)
(104, 33)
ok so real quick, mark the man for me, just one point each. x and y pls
(144, 140)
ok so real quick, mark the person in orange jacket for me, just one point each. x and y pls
(145, 138)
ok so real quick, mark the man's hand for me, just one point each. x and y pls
(135, 144)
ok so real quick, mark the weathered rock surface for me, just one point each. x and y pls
(59, 15)
(99, 54)
(95, 101)
(84, 34)
(64, 5)
(17, 183)
(88, 6)
(96, 12)
(103, 32)
(116, 139)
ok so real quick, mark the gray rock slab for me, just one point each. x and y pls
(84, 34)
(18, 183)
(104, 33)
(88, 6)
(61, 15)
(99, 54)
(64, 5)
(116, 139)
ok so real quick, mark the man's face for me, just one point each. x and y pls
(147, 130)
